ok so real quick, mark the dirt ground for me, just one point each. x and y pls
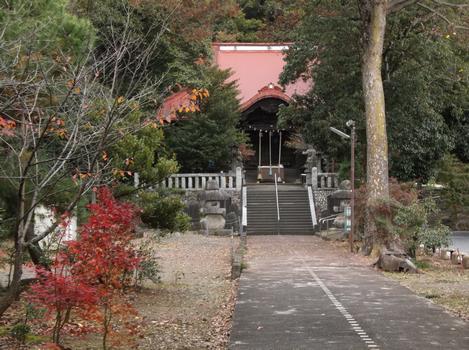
(441, 282)
(192, 307)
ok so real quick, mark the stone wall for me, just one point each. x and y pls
(320, 198)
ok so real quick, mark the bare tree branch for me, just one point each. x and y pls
(443, 17)
(397, 5)
(445, 3)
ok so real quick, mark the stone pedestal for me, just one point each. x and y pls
(455, 258)
(465, 262)
(213, 215)
(444, 254)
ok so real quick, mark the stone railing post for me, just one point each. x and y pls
(308, 178)
(239, 178)
(222, 181)
(204, 181)
(314, 177)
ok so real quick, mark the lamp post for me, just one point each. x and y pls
(351, 137)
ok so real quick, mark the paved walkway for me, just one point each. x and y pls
(298, 293)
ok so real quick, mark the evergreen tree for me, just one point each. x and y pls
(422, 105)
(208, 140)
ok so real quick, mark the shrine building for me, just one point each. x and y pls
(256, 69)
(301, 193)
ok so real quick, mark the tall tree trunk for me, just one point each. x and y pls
(34, 250)
(14, 288)
(374, 17)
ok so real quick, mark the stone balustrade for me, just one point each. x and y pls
(324, 180)
(198, 181)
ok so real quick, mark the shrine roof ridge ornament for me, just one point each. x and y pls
(268, 91)
(252, 46)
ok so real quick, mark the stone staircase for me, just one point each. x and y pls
(295, 214)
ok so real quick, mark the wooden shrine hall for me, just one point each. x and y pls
(256, 68)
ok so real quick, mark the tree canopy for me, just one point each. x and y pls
(425, 84)
(208, 140)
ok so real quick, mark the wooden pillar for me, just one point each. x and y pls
(260, 147)
(279, 148)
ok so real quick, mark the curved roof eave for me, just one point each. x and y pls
(269, 91)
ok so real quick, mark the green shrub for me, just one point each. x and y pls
(422, 265)
(149, 269)
(419, 224)
(20, 331)
(165, 212)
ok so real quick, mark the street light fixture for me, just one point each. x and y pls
(340, 133)
(351, 137)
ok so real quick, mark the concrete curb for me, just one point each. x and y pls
(237, 256)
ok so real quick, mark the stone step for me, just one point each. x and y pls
(273, 216)
(265, 204)
(285, 233)
(283, 223)
(283, 215)
(297, 197)
(295, 215)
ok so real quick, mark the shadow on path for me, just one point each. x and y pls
(299, 292)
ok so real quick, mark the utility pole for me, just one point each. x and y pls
(351, 124)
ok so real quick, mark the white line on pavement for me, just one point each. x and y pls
(355, 326)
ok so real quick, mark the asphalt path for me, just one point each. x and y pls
(461, 241)
(298, 293)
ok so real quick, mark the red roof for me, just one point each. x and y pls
(270, 91)
(167, 111)
(256, 65)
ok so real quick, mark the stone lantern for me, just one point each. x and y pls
(213, 215)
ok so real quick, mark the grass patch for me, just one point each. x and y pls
(422, 264)
(29, 338)
(36, 339)
(441, 282)
(4, 330)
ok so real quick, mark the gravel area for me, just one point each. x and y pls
(192, 306)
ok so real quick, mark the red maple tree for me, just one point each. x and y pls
(91, 274)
